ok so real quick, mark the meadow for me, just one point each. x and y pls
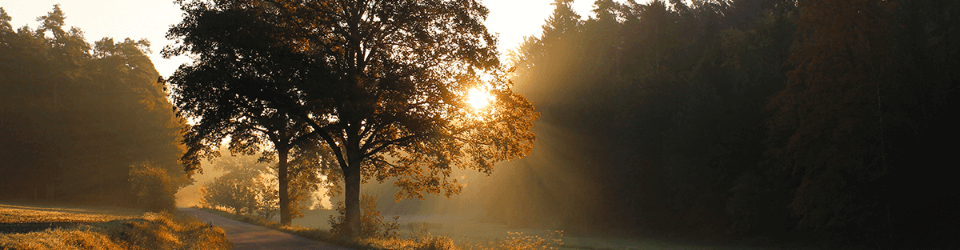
(58, 226)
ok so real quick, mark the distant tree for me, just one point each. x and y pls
(382, 83)
(249, 186)
(556, 50)
(5, 21)
(236, 190)
(155, 189)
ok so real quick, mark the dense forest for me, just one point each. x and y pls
(74, 116)
(817, 120)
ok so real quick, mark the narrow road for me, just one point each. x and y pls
(252, 237)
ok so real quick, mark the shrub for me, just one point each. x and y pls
(234, 190)
(372, 224)
(154, 188)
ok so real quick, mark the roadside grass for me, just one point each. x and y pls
(425, 241)
(447, 233)
(53, 227)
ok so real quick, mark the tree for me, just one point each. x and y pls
(828, 120)
(862, 118)
(239, 190)
(249, 184)
(382, 83)
(237, 89)
(372, 224)
(666, 101)
(155, 189)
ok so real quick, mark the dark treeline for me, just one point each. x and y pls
(75, 116)
(823, 120)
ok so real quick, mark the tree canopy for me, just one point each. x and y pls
(382, 84)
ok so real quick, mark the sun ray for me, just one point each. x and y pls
(478, 98)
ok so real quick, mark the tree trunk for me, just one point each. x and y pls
(351, 197)
(285, 216)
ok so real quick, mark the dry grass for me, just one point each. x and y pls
(49, 214)
(30, 227)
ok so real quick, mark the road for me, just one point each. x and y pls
(252, 237)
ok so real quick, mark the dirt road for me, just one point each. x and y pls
(252, 237)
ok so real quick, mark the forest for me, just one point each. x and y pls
(823, 122)
(75, 117)
(808, 120)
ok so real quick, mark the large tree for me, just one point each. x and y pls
(382, 83)
(236, 91)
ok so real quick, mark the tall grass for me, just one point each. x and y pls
(101, 231)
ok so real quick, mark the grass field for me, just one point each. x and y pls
(46, 226)
(460, 232)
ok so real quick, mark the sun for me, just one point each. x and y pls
(478, 99)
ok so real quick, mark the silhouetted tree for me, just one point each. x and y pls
(382, 83)
(239, 88)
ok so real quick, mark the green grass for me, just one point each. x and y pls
(66, 227)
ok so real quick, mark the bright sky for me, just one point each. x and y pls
(150, 19)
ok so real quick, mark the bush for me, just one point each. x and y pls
(372, 224)
(244, 190)
(154, 188)
(234, 190)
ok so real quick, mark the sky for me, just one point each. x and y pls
(150, 19)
